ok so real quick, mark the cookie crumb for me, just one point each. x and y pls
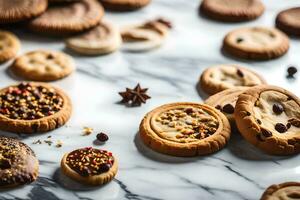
(87, 130)
(49, 142)
(37, 142)
(59, 143)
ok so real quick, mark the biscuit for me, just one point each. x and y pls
(43, 65)
(256, 43)
(124, 5)
(284, 191)
(33, 107)
(103, 39)
(9, 46)
(232, 10)
(90, 166)
(288, 21)
(185, 129)
(221, 77)
(18, 164)
(19, 10)
(68, 18)
(269, 118)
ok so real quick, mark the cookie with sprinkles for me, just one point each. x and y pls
(18, 164)
(33, 107)
(90, 166)
(9, 46)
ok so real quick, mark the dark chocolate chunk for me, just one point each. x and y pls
(291, 71)
(277, 108)
(281, 128)
(102, 137)
(228, 108)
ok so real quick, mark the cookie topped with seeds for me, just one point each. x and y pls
(43, 65)
(185, 129)
(269, 118)
(9, 45)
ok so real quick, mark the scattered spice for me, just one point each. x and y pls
(102, 137)
(277, 108)
(87, 130)
(134, 97)
(291, 71)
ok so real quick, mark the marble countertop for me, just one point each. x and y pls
(239, 171)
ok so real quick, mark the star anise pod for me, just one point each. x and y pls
(134, 97)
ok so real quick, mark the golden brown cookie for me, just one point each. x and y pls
(90, 166)
(18, 164)
(256, 43)
(283, 191)
(185, 129)
(289, 21)
(9, 46)
(33, 107)
(221, 77)
(43, 65)
(124, 5)
(269, 118)
(104, 38)
(18, 10)
(232, 10)
(68, 18)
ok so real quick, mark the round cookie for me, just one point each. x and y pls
(289, 21)
(43, 65)
(33, 107)
(256, 43)
(269, 118)
(221, 77)
(185, 129)
(283, 191)
(124, 5)
(68, 18)
(232, 10)
(104, 38)
(90, 166)
(18, 164)
(18, 10)
(9, 46)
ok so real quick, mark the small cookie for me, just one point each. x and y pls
(185, 129)
(269, 118)
(18, 164)
(90, 166)
(124, 5)
(232, 10)
(33, 107)
(146, 36)
(256, 43)
(104, 38)
(68, 18)
(9, 46)
(43, 65)
(289, 21)
(221, 77)
(225, 101)
(283, 191)
(18, 10)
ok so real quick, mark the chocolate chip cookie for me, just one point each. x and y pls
(9, 46)
(289, 21)
(283, 191)
(221, 77)
(256, 43)
(124, 5)
(269, 118)
(185, 129)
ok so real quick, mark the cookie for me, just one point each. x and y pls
(145, 36)
(269, 118)
(104, 38)
(43, 65)
(18, 10)
(18, 164)
(90, 166)
(124, 5)
(68, 18)
(9, 46)
(232, 10)
(256, 43)
(221, 77)
(289, 21)
(284, 191)
(185, 129)
(225, 101)
(33, 107)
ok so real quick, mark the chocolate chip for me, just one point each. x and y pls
(189, 110)
(240, 73)
(291, 71)
(239, 40)
(281, 128)
(266, 132)
(104, 167)
(288, 125)
(295, 122)
(5, 164)
(277, 108)
(102, 137)
(248, 113)
(22, 86)
(50, 56)
(259, 121)
(228, 108)
(218, 107)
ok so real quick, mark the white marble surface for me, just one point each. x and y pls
(237, 172)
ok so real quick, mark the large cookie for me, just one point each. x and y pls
(124, 5)
(9, 46)
(185, 129)
(283, 191)
(269, 118)
(289, 21)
